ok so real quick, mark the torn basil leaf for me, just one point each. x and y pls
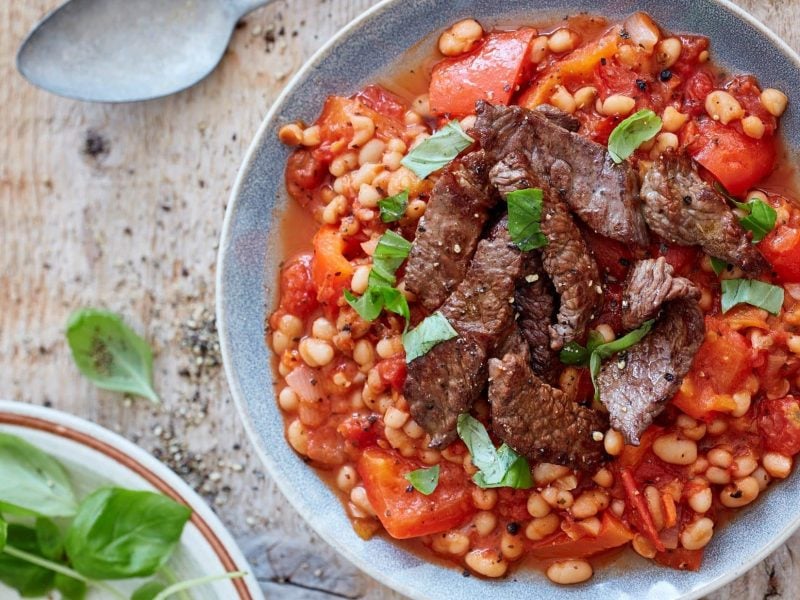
(718, 265)
(391, 251)
(433, 330)
(393, 208)
(632, 133)
(424, 480)
(501, 467)
(607, 350)
(438, 150)
(761, 219)
(752, 292)
(524, 219)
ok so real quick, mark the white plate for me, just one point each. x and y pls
(94, 456)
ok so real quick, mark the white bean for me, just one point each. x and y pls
(568, 572)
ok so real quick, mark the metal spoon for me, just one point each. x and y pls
(126, 50)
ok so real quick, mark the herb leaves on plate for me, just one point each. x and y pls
(114, 533)
(497, 467)
(525, 218)
(631, 133)
(110, 353)
(438, 150)
(759, 217)
(394, 207)
(424, 480)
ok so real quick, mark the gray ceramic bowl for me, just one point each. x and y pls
(248, 263)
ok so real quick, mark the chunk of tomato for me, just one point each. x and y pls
(405, 512)
(298, 293)
(781, 248)
(681, 559)
(779, 424)
(360, 430)
(382, 101)
(739, 162)
(330, 268)
(490, 72)
(720, 367)
(613, 533)
(393, 371)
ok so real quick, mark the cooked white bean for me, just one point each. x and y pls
(700, 501)
(671, 449)
(643, 547)
(753, 127)
(544, 473)
(291, 134)
(668, 51)
(774, 101)
(672, 120)
(539, 49)
(346, 478)
(297, 434)
(777, 465)
(323, 329)
(739, 493)
(312, 136)
(315, 353)
(618, 105)
(697, 534)
(585, 96)
(485, 522)
(541, 527)
(460, 37)
(719, 457)
(451, 542)
(486, 562)
(511, 545)
(613, 442)
(723, 107)
(562, 40)
(288, 399)
(537, 506)
(568, 572)
(563, 100)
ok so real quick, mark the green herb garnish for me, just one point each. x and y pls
(424, 480)
(524, 219)
(718, 265)
(110, 354)
(760, 217)
(596, 352)
(632, 133)
(438, 150)
(753, 292)
(433, 330)
(393, 208)
(501, 467)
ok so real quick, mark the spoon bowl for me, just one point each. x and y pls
(127, 50)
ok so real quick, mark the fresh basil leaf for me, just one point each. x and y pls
(718, 265)
(180, 586)
(433, 330)
(424, 480)
(496, 468)
(71, 589)
(149, 590)
(110, 354)
(391, 251)
(632, 133)
(575, 354)
(517, 474)
(744, 206)
(753, 292)
(369, 305)
(760, 221)
(524, 219)
(50, 539)
(3, 533)
(604, 351)
(393, 208)
(119, 533)
(33, 483)
(395, 301)
(29, 580)
(438, 150)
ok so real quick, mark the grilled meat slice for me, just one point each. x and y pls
(650, 284)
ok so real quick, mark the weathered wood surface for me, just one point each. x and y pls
(121, 207)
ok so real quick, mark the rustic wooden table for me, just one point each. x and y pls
(121, 207)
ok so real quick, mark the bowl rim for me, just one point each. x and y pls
(225, 342)
(149, 469)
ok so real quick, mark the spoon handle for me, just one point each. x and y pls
(242, 7)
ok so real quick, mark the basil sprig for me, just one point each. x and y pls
(497, 467)
(393, 208)
(113, 533)
(759, 218)
(596, 351)
(718, 265)
(632, 133)
(110, 354)
(525, 218)
(753, 292)
(433, 330)
(424, 480)
(438, 150)
(391, 251)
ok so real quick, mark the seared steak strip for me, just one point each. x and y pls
(448, 233)
(567, 260)
(602, 193)
(682, 208)
(649, 285)
(535, 307)
(634, 386)
(538, 420)
(447, 380)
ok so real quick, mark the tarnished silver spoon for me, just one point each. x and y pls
(125, 50)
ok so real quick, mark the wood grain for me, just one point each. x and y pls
(120, 206)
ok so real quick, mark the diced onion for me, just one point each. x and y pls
(793, 289)
(643, 31)
(305, 383)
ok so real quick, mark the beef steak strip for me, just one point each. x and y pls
(566, 258)
(602, 193)
(539, 421)
(650, 284)
(634, 386)
(446, 381)
(683, 209)
(534, 303)
(448, 233)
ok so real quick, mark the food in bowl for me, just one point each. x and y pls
(547, 306)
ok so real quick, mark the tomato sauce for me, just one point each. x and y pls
(343, 403)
